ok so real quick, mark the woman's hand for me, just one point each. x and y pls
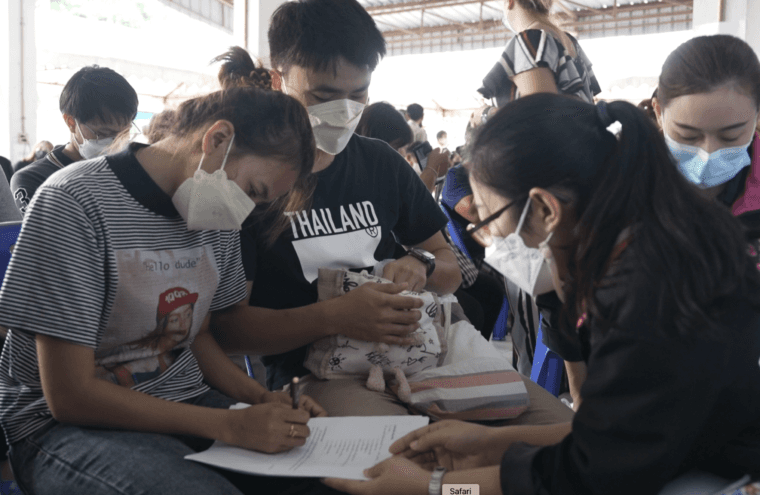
(270, 427)
(306, 403)
(455, 445)
(396, 475)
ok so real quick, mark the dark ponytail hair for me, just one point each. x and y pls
(704, 63)
(692, 250)
(238, 71)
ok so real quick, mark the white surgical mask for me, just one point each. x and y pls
(709, 169)
(212, 201)
(507, 25)
(526, 267)
(92, 148)
(334, 123)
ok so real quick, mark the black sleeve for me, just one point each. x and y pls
(26, 181)
(568, 347)
(249, 248)
(640, 414)
(419, 217)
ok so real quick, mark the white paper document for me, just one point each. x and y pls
(337, 447)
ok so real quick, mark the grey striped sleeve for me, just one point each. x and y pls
(55, 284)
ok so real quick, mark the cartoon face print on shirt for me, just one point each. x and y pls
(162, 300)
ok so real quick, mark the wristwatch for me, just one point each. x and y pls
(484, 115)
(425, 257)
(436, 481)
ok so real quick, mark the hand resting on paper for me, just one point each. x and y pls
(267, 427)
(376, 313)
(395, 475)
(306, 403)
(455, 445)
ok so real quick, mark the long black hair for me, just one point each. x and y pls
(692, 249)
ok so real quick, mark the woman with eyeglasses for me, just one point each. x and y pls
(656, 283)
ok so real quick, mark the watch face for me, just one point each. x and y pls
(424, 254)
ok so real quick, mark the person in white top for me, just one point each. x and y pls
(416, 115)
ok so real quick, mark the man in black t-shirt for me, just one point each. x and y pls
(367, 204)
(97, 105)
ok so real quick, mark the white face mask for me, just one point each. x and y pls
(212, 201)
(526, 267)
(92, 148)
(505, 21)
(334, 123)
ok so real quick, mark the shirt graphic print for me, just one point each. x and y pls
(346, 236)
(172, 291)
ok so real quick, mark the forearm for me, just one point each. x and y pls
(538, 435)
(254, 330)
(98, 403)
(576, 375)
(447, 277)
(428, 177)
(222, 374)
(486, 478)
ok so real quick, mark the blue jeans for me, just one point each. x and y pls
(71, 459)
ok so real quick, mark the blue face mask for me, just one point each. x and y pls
(709, 169)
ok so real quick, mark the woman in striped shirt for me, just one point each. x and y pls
(110, 374)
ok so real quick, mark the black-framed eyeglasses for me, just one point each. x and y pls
(474, 228)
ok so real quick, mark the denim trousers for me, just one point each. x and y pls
(63, 458)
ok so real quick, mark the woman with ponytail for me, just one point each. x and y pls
(657, 285)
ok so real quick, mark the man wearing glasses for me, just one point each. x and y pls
(97, 106)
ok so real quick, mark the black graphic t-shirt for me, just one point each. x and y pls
(366, 202)
(25, 181)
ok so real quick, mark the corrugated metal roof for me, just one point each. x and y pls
(415, 26)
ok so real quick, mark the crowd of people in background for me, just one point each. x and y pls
(634, 249)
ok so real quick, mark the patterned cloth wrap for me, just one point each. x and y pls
(452, 372)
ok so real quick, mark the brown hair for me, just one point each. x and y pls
(238, 71)
(704, 63)
(160, 125)
(648, 107)
(541, 10)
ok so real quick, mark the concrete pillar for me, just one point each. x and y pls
(251, 25)
(18, 79)
(739, 18)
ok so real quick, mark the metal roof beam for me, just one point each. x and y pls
(399, 8)
(493, 26)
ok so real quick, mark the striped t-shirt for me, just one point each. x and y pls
(105, 261)
(536, 48)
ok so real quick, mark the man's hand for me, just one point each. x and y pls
(376, 313)
(407, 270)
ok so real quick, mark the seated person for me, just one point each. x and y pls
(366, 198)
(666, 303)
(97, 105)
(382, 121)
(38, 153)
(110, 375)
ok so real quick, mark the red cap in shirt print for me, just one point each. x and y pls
(174, 322)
